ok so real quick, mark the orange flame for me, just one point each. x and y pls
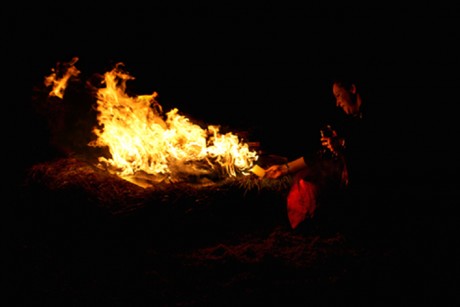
(142, 142)
(59, 84)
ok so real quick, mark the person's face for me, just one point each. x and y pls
(344, 98)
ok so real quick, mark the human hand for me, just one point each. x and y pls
(332, 141)
(276, 171)
(327, 142)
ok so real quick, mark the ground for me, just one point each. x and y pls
(85, 237)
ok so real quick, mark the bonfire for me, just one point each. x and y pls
(130, 140)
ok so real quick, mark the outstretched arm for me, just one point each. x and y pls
(278, 170)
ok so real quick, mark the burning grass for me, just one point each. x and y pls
(143, 143)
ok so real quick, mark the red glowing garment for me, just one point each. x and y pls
(301, 202)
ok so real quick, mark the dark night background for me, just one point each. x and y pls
(265, 69)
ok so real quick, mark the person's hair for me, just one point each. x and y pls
(346, 83)
(345, 74)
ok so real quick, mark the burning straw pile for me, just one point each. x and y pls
(137, 156)
(139, 142)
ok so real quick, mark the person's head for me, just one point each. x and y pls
(346, 96)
